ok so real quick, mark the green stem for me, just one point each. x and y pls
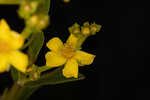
(10, 2)
(80, 41)
(44, 68)
(28, 43)
(18, 92)
(26, 32)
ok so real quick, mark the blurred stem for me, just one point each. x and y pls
(26, 32)
(18, 92)
(11, 94)
(10, 2)
(28, 43)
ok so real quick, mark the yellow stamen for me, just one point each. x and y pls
(68, 51)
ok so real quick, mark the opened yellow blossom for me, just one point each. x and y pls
(10, 42)
(67, 54)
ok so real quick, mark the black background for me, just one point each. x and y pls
(120, 70)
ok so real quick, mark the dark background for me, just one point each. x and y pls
(120, 70)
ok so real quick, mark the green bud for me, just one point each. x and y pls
(85, 29)
(33, 72)
(43, 21)
(38, 22)
(27, 9)
(86, 24)
(75, 29)
(95, 28)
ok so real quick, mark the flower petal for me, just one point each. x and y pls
(16, 40)
(54, 59)
(84, 58)
(4, 26)
(72, 40)
(4, 65)
(55, 44)
(71, 69)
(4, 30)
(19, 60)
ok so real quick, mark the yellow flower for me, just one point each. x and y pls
(10, 42)
(67, 54)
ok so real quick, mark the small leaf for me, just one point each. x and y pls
(55, 77)
(35, 46)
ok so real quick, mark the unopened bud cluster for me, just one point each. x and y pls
(86, 29)
(38, 22)
(75, 29)
(29, 10)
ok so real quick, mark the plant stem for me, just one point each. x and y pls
(18, 92)
(26, 32)
(80, 41)
(44, 68)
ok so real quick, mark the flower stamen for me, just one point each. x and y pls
(68, 51)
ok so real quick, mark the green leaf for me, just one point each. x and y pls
(15, 74)
(35, 46)
(52, 78)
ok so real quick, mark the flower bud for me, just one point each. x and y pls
(85, 29)
(75, 29)
(27, 8)
(38, 22)
(95, 28)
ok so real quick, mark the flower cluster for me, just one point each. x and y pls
(69, 53)
(28, 76)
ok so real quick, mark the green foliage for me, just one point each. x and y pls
(35, 46)
(52, 78)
